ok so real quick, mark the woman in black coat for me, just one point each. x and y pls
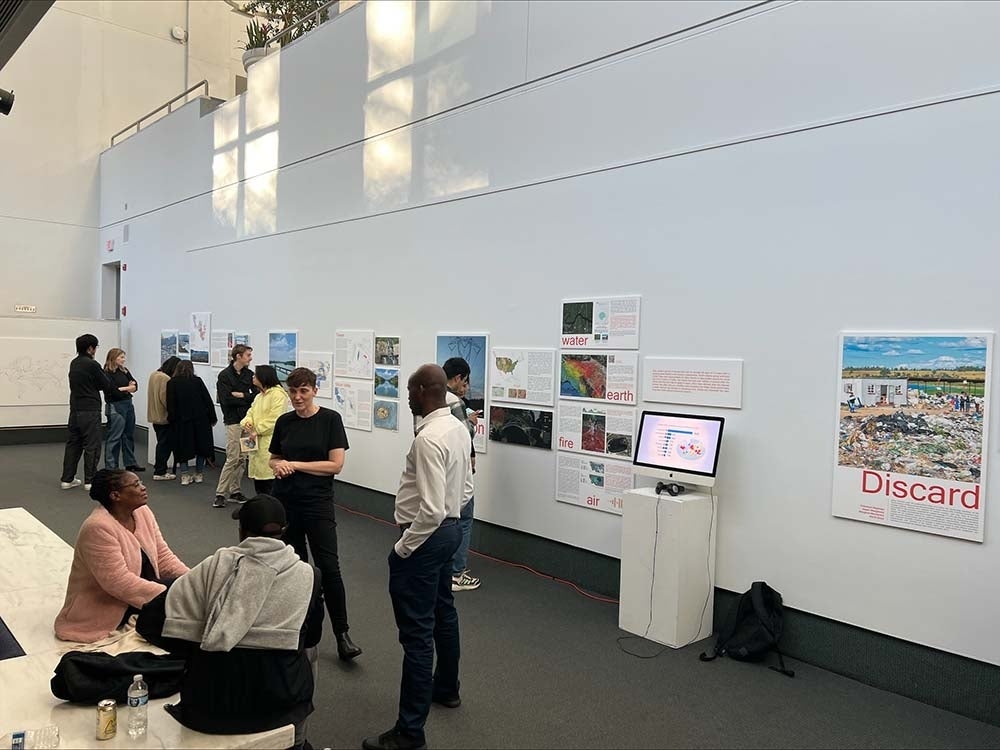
(191, 413)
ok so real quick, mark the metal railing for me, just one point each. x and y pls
(288, 34)
(168, 105)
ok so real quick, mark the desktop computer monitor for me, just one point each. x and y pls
(680, 448)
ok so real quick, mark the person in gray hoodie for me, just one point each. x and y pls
(248, 620)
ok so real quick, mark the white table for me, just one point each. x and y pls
(34, 568)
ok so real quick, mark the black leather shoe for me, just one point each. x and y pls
(448, 702)
(393, 740)
(346, 649)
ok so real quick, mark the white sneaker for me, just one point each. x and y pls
(464, 582)
(164, 477)
(185, 480)
(199, 478)
(87, 487)
(70, 485)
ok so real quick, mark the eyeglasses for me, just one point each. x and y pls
(137, 483)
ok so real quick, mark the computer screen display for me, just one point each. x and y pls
(682, 443)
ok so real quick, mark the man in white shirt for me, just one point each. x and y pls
(428, 504)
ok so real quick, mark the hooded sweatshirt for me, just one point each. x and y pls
(252, 610)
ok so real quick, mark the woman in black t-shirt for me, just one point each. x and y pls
(307, 450)
(120, 413)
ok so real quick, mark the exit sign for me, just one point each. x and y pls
(25, 308)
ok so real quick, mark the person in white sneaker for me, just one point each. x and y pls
(192, 416)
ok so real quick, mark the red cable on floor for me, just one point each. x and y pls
(572, 585)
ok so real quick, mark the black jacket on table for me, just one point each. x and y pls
(87, 381)
(230, 381)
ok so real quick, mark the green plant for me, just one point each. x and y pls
(284, 14)
(257, 34)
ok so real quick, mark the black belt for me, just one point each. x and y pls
(449, 521)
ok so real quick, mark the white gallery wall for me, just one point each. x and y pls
(773, 176)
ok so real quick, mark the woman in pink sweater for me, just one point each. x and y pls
(118, 561)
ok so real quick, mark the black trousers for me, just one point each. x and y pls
(84, 439)
(420, 589)
(314, 521)
(263, 486)
(163, 447)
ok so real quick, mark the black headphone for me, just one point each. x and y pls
(673, 489)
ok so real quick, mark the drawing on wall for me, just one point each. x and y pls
(474, 348)
(523, 375)
(320, 363)
(33, 371)
(531, 427)
(168, 345)
(283, 352)
(201, 332)
(911, 443)
(601, 323)
(386, 415)
(387, 382)
(184, 345)
(387, 350)
(354, 354)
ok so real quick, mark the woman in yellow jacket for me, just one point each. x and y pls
(270, 403)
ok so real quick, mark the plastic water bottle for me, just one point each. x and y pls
(138, 699)
(32, 739)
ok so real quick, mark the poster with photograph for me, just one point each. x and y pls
(243, 338)
(600, 323)
(386, 415)
(168, 345)
(387, 382)
(320, 363)
(596, 428)
(473, 348)
(599, 376)
(223, 342)
(354, 354)
(520, 426)
(353, 399)
(596, 483)
(387, 350)
(910, 447)
(283, 352)
(201, 332)
(184, 345)
(523, 375)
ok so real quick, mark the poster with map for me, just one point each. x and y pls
(354, 354)
(353, 399)
(600, 323)
(168, 345)
(33, 371)
(523, 375)
(596, 428)
(201, 341)
(599, 376)
(595, 483)
(320, 363)
(386, 415)
(473, 348)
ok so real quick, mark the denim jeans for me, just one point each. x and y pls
(199, 465)
(460, 562)
(121, 434)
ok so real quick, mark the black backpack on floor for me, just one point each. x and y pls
(753, 628)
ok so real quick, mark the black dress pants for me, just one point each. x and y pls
(163, 448)
(84, 439)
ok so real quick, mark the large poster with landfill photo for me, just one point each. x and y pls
(912, 416)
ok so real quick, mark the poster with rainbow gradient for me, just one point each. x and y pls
(599, 376)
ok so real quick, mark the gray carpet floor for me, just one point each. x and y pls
(541, 667)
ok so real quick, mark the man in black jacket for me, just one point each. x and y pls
(235, 392)
(86, 383)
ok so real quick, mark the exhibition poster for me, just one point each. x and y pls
(520, 426)
(474, 348)
(386, 415)
(168, 345)
(523, 375)
(599, 376)
(201, 332)
(387, 350)
(595, 483)
(600, 323)
(693, 381)
(223, 342)
(386, 382)
(353, 399)
(184, 345)
(243, 338)
(320, 363)
(283, 352)
(354, 354)
(596, 428)
(910, 449)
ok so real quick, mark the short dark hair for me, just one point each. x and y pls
(457, 366)
(301, 376)
(104, 483)
(84, 342)
(169, 365)
(267, 376)
(184, 369)
(237, 351)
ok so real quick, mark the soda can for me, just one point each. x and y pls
(107, 719)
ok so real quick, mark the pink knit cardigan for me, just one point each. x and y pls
(104, 578)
